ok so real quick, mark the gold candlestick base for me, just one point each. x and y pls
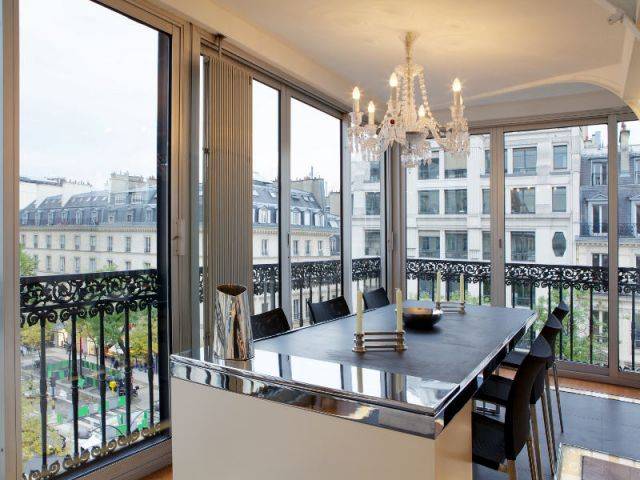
(392, 341)
(451, 307)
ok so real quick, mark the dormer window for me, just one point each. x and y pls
(307, 217)
(25, 218)
(94, 217)
(296, 217)
(64, 216)
(120, 198)
(78, 216)
(130, 216)
(264, 216)
(149, 215)
(52, 215)
(136, 197)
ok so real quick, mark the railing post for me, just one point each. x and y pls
(43, 391)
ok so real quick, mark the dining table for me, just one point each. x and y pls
(308, 406)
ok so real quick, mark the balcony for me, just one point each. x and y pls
(625, 230)
(89, 367)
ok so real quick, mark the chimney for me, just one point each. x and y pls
(625, 168)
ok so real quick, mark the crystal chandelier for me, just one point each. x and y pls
(406, 122)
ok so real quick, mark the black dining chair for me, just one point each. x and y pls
(514, 359)
(269, 323)
(375, 298)
(496, 444)
(323, 311)
(495, 389)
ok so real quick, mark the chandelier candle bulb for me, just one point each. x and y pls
(399, 327)
(421, 112)
(356, 99)
(371, 108)
(359, 314)
(457, 92)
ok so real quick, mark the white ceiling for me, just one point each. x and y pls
(495, 46)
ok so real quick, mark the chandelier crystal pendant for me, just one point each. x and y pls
(407, 122)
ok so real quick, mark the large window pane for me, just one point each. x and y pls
(447, 205)
(629, 244)
(266, 197)
(550, 255)
(315, 208)
(93, 217)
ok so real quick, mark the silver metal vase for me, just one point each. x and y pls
(232, 335)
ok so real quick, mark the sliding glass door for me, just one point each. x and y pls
(93, 213)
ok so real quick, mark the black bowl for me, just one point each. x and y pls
(421, 318)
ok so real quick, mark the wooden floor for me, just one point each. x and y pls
(165, 474)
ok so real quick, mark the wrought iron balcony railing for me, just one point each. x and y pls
(84, 410)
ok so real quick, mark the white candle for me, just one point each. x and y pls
(359, 315)
(371, 108)
(461, 288)
(356, 100)
(393, 83)
(438, 281)
(457, 92)
(399, 327)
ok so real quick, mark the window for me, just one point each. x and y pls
(63, 242)
(127, 244)
(372, 203)
(296, 309)
(307, 247)
(136, 197)
(600, 260)
(559, 157)
(48, 263)
(525, 160)
(110, 265)
(455, 201)
(523, 246)
(523, 200)
(320, 248)
(76, 242)
(130, 216)
(62, 264)
(35, 241)
(36, 261)
(146, 265)
(263, 215)
(78, 217)
(600, 219)
(455, 166)
(374, 172)
(296, 217)
(486, 198)
(264, 249)
(127, 265)
(109, 243)
(51, 217)
(23, 239)
(147, 244)
(372, 243)
(92, 243)
(456, 245)
(295, 247)
(486, 245)
(598, 173)
(430, 246)
(637, 170)
(429, 202)
(94, 217)
(559, 199)
(430, 170)
(559, 244)
(76, 264)
(47, 239)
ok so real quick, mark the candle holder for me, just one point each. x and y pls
(389, 341)
(451, 307)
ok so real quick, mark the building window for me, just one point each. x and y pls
(147, 244)
(598, 173)
(559, 157)
(318, 219)
(523, 246)
(127, 265)
(486, 245)
(372, 243)
(36, 261)
(525, 160)
(296, 309)
(110, 265)
(94, 217)
(62, 264)
(127, 244)
(111, 218)
(92, 243)
(431, 170)
(296, 247)
(522, 294)
(263, 215)
(296, 217)
(130, 216)
(374, 172)
(136, 197)
(109, 243)
(486, 205)
(429, 202)
(320, 248)
(306, 219)
(63, 242)
(24, 218)
(47, 240)
(372, 203)
(48, 263)
(307, 247)
(487, 162)
(600, 219)
(456, 245)
(76, 264)
(52, 215)
(23, 239)
(78, 216)
(455, 201)
(35, 241)
(600, 260)
(455, 166)
(76, 242)
(559, 199)
(146, 265)
(264, 250)
(637, 170)
(559, 244)
(149, 215)
(429, 246)
(523, 200)
(64, 216)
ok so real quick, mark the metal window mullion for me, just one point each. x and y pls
(612, 194)
(497, 222)
(285, 204)
(346, 214)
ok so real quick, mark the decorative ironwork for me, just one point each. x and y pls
(474, 272)
(557, 276)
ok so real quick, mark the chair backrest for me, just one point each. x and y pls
(517, 424)
(561, 311)
(376, 298)
(323, 311)
(550, 332)
(269, 323)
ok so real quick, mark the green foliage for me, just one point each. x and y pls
(27, 264)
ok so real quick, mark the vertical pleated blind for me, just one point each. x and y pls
(230, 175)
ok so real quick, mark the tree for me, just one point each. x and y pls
(138, 337)
(27, 264)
